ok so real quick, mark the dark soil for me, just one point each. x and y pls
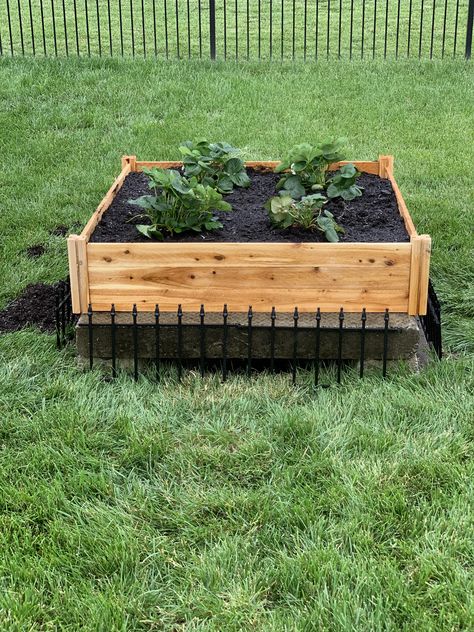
(35, 307)
(33, 252)
(374, 217)
(60, 231)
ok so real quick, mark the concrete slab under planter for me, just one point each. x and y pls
(403, 336)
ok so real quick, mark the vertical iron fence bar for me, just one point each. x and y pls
(259, 29)
(180, 342)
(62, 296)
(113, 341)
(43, 32)
(157, 341)
(132, 30)
(363, 319)
(91, 337)
(20, 25)
(316, 30)
(456, 21)
(375, 30)
(317, 349)
(56, 321)
(236, 30)
(98, 27)
(189, 29)
(398, 30)
(385, 343)
(282, 27)
(295, 345)
(202, 340)
(225, 314)
(432, 29)
(445, 17)
(166, 31)
(339, 345)
(328, 29)
(420, 42)
(305, 28)
(87, 29)
(155, 43)
(143, 29)
(363, 31)
(293, 30)
(249, 340)
(53, 17)
(121, 26)
(470, 23)
(271, 29)
(351, 32)
(410, 11)
(76, 27)
(212, 27)
(1, 45)
(272, 340)
(200, 28)
(248, 27)
(135, 342)
(10, 33)
(386, 31)
(225, 29)
(339, 39)
(32, 30)
(66, 44)
(109, 20)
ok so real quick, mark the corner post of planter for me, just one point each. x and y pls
(129, 160)
(78, 274)
(419, 275)
(385, 166)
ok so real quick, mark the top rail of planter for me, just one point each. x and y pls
(374, 276)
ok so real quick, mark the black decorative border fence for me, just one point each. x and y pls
(238, 29)
(431, 324)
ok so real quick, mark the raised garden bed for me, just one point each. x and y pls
(246, 263)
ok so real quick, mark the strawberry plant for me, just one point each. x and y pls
(307, 213)
(343, 183)
(178, 204)
(215, 164)
(306, 167)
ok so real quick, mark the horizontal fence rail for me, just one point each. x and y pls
(238, 29)
(216, 342)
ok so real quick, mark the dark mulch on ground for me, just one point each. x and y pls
(374, 217)
(61, 231)
(33, 252)
(34, 307)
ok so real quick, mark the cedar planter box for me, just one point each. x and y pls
(374, 276)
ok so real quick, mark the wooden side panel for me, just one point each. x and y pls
(424, 273)
(402, 207)
(374, 276)
(366, 166)
(106, 202)
(78, 273)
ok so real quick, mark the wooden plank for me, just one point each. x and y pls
(362, 165)
(424, 273)
(74, 273)
(242, 254)
(261, 301)
(402, 207)
(106, 202)
(83, 273)
(414, 284)
(374, 276)
(129, 160)
(385, 166)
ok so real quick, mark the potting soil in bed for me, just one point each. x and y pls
(374, 217)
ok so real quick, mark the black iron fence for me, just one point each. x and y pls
(238, 29)
(220, 342)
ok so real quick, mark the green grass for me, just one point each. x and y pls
(249, 505)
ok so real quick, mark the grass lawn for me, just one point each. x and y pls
(249, 505)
